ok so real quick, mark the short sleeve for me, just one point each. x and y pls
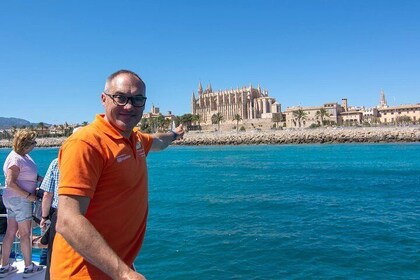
(15, 161)
(49, 182)
(80, 167)
(146, 141)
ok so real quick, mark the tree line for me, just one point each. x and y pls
(43, 130)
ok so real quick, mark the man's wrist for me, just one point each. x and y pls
(174, 135)
(45, 218)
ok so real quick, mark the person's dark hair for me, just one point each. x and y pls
(123, 71)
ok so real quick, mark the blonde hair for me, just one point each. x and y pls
(23, 139)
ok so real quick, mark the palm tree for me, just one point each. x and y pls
(237, 118)
(153, 124)
(216, 119)
(177, 121)
(160, 122)
(403, 120)
(85, 123)
(66, 129)
(145, 126)
(299, 115)
(42, 126)
(167, 124)
(186, 119)
(322, 113)
(196, 118)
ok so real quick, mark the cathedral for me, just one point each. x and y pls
(248, 102)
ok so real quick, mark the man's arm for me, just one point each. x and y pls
(45, 207)
(49, 186)
(87, 241)
(163, 140)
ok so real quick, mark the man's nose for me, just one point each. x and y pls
(129, 104)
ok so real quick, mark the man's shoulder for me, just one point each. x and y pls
(142, 135)
(88, 134)
(145, 139)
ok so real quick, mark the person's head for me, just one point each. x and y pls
(76, 129)
(24, 141)
(124, 98)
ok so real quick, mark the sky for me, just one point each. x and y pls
(56, 55)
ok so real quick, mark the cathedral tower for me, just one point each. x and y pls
(383, 103)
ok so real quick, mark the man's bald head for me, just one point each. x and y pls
(133, 75)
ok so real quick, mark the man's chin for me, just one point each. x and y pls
(126, 125)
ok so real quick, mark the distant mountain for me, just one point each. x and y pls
(10, 122)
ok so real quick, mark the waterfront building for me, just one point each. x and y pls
(352, 117)
(370, 115)
(299, 116)
(154, 121)
(401, 114)
(253, 105)
(154, 113)
(259, 111)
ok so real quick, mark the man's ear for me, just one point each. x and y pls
(103, 98)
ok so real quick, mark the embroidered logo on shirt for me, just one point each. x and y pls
(140, 150)
(123, 157)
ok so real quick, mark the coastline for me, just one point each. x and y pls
(287, 136)
(305, 136)
(41, 142)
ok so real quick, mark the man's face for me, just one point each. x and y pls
(123, 118)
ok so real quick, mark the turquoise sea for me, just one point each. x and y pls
(349, 211)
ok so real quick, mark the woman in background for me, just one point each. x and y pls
(21, 175)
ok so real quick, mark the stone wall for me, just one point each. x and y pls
(286, 136)
(41, 142)
(305, 136)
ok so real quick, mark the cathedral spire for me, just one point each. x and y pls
(383, 103)
(209, 89)
(200, 88)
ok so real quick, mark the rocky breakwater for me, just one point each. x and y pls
(286, 136)
(305, 136)
(41, 142)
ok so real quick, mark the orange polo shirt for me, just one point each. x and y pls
(99, 163)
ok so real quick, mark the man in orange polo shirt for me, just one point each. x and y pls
(103, 193)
